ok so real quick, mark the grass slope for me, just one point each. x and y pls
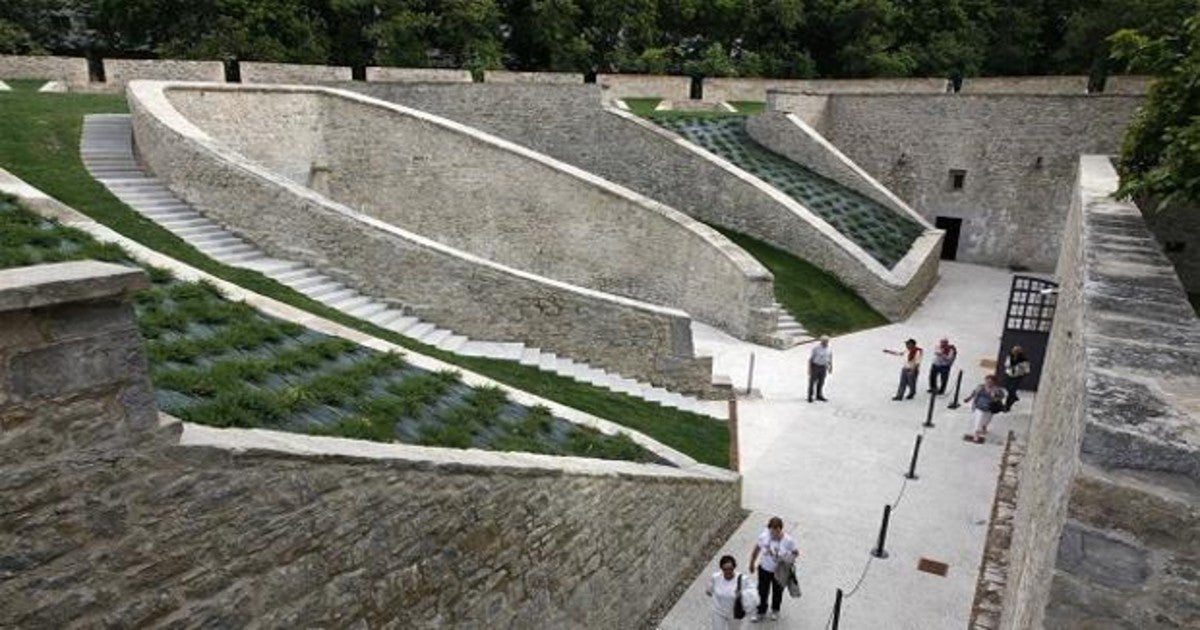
(39, 137)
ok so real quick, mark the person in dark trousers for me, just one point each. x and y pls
(943, 359)
(772, 547)
(912, 354)
(1016, 367)
(820, 364)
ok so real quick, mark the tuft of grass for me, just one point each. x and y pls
(749, 107)
(642, 106)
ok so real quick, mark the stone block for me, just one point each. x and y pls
(1102, 557)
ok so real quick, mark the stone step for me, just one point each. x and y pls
(331, 296)
(315, 284)
(198, 221)
(244, 257)
(529, 356)
(547, 361)
(214, 237)
(453, 343)
(434, 337)
(385, 317)
(228, 250)
(352, 302)
(372, 308)
(192, 232)
(298, 273)
(419, 330)
(403, 324)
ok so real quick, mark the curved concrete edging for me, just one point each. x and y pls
(463, 291)
(894, 292)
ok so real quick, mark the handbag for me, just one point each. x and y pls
(793, 586)
(739, 611)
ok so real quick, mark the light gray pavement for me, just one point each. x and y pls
(828, 468)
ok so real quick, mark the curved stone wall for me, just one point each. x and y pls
(445, 285)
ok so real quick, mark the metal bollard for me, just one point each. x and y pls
(912, 464)
(929, 412)
(957, 388)
(837, 609)
(750, 375)
(879, 551)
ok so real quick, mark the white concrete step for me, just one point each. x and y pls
(436, 336)
(453, 343)
(370, 309)
(352, 302)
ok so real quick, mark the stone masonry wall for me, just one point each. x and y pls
(1019, 153)
(118, 72)
(1025, 85)
(494, 203)
(567, 123)
(115, 518)
(557, 78)
(1107, 529)
(670, 88)
(1127, 84)
(72, 70)
(260, 72)
(750, 89)
(464, 293)
(417, 75)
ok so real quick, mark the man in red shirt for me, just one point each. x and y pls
(912, 354)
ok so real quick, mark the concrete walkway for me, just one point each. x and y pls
(828, 468)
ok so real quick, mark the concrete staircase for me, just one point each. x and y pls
(788, 333)
(106, 148)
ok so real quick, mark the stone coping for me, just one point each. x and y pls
(49, 207)
(898, 277)
(59, 283)
(1020, 96)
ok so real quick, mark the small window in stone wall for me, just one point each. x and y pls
(957, 178)
(1174, 247)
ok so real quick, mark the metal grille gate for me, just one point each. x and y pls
(1027, 321)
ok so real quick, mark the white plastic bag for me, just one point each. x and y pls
(749, 596)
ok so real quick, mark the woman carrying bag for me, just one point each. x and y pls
(732, 595)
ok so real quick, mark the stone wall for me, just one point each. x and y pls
(460, 291)
(1018, 152)
(670, 88)
(1127, 84)
(556, 78)
(1107, 528)
(116, 518)
(417, 75)
(1025, 85)
(71, 70)
(568, 124)
(260, 72)
(118, 72)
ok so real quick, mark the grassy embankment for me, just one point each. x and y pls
(39, 136)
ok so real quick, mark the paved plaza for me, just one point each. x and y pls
(829, 468)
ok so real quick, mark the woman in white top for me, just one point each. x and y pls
(772, 547)
(723, 589)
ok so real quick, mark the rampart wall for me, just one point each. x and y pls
(557, 78)
(569, 125)
(671, 88)
(1018, 154)
(71, 70)
(117, 517)
(461, 291)
(417, 75)
(258, 72)
(718, 89)
(1107, 527)
(1025, 85)
(1127, 84)
(118, 72)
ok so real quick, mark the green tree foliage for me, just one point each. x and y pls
(1160, 154)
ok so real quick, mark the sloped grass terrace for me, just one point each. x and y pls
(39, 142)
(221, 363)
(883, 234)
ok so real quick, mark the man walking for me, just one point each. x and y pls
(912, 354)
(820, 364)
(943, 359)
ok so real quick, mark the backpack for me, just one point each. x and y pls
(739, 611)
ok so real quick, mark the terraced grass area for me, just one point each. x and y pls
(885, 235)
(221, 363)
(39, 142)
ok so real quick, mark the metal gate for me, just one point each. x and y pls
(1027, 321)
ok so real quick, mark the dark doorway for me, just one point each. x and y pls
(696, 88)
(953, 228)
(1031, 305)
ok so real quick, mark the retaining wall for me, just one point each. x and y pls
(747, 89)
(71, 70)
(445, 285)
(1107, 527)
(1025, 85)
(119, 72)
(568, 124)
(1018, 152)
(259, 72)
(417, 75)
(115, 517)
(1127, 84)
(669, 88)
(557, 78)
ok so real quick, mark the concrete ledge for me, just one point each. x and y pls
(59, 283)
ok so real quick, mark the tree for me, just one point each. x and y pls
(1160, 153)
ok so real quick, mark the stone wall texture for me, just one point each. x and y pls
(568, 124)
(1019, 153)
(556, 78)
(455, 289)
(670, 88)
(1127, 84)
(1107, 528)
(115, 518)
(1025, 85)
(261, 72)
(118, 72)
(71, 70)
(417, 75)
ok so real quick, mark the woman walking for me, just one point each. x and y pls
(773, 546)
(1015, 369)
(725, 588)
(987, 399)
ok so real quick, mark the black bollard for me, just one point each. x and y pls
(957, 388)
(929, 413)
(878, 551)
(837, 609)
(912, 465)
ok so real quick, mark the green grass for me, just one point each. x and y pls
(642, 106)
(819, 301)
(39, 135)
(749, 107)
(26, 85)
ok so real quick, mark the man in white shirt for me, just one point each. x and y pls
(820, 364)
(772, 547)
